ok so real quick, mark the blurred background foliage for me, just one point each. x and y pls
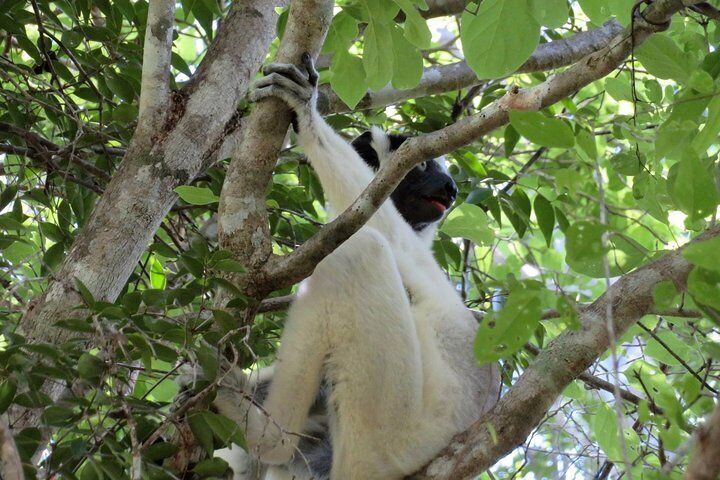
(552, 208)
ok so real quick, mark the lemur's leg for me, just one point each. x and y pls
(351, 323)
(342, 171)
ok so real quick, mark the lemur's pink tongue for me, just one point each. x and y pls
(439, 206)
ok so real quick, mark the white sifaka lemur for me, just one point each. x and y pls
(375, 371)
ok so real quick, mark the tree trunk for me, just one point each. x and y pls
(140, 193)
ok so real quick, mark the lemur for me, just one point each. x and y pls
(378, 342)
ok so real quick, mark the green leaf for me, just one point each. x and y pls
(708, 135)
(662, 57)
(545, 215)
(550, 13)
(211, 467)
(348, 78)
(196, 195)
(160, 450)
(499, 38)
(202, 431)
(90, 367)
(586, 143)
(120, 87)
(505, 332)
(692, 187)
(85, 293)
(7, 393)
(224, 429)
(664, 294)
(627, 162)
(704, 286)
(656, 350)
(468, 221)
(416, 29)
(378, 64)
(407, 62)
(599, 11)
(543, 130)
(705, 254)
(229, 265)
(619, 88)
(584, 246)
(343, 30)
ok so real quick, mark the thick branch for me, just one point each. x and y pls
(154, 87)
(523, 407)
(284, 271)
(242, 214)
(705, 462)
(444, 78)
(443, 8)
(140, 194)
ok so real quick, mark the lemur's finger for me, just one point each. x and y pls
(288, 70)
(276, 91)
(307, 62)
(284, 82)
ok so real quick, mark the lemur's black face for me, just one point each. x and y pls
(425, 193)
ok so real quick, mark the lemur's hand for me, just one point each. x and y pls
(295, 85)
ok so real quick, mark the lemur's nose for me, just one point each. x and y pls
(451, 189)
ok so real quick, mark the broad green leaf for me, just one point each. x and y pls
(468, 221)
(543, 130)
(586, 143)
(7, 393)
(348, 78)
(407, 62)
(415, 28)
(378, 64)
(90, 367)
(499, 38)
(550, 13)
(662, 57)
(211, 467)
(605, 428)
(584, 248)
(160, 450)
(673, 138)
(545, 215)
(709, 134)
(505, 332)
(705, 254)
(656, 350)
(343, 29)
(196, 195)
(619, 88)
(202, 431)
(229, 265)
(600, 11)
(664, 294)
(627, 162)
(704, 286)
(692, 187)
(224, 429)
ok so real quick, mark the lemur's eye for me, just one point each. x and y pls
(422, 166)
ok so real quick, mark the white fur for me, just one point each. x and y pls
(380, 320)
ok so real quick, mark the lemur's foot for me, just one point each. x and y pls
(295, 85)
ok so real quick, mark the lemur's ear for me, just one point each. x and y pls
(375, 146)
(363, 146)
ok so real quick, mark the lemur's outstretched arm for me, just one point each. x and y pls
(343, 173)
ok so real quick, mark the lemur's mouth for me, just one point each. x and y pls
(440, 203)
